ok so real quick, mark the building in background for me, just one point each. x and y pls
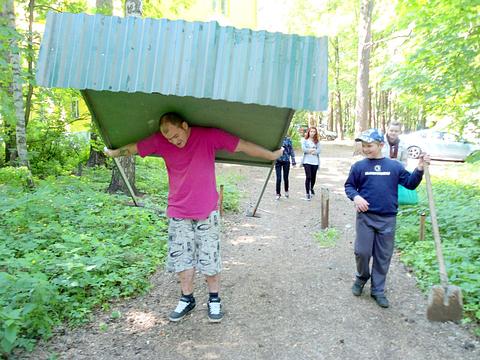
(237, 13)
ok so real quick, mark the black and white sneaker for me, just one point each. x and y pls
(183, 308)
(215, 313)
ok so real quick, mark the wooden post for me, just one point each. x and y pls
(325, 205)
(422, 226)
(220, 201)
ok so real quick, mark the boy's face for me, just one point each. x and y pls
(393, 132)
(372, 150)
(176, 135)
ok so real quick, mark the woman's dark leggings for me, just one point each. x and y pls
(279, 165)
(311, 176)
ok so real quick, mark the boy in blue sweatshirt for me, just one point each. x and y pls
(372, 185)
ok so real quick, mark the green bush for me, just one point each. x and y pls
(68, 247)
(457, 207)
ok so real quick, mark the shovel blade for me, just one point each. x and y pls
(445, 303)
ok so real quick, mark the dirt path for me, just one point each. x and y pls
(285, 297)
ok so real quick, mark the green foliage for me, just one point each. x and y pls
(441, 66)
(473, 157)
(231, 195)
(327, 237)
(14, 176)
(68, 247)
(166, 8)
(457, 206)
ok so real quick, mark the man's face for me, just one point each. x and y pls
(372, 150)
(176, 135)
(393, 132)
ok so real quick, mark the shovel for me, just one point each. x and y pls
(445, 301)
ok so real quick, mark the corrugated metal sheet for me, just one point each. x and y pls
(202, 60)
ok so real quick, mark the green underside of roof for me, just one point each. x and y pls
(124, 118)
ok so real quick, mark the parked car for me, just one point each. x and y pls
(438, 144)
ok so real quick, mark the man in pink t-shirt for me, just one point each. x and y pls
(193, 228)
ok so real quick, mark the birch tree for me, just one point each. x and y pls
(20, 129)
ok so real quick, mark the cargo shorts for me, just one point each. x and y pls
(194, 244)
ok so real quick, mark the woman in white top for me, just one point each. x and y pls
(394, 148)
(311, 160)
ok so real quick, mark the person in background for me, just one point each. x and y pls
(372, 185)
(310, 160)
(283, 164)
(193, 225)
(394, 148)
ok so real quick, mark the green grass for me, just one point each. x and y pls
(327, 237)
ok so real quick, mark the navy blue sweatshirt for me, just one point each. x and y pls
(376, 180)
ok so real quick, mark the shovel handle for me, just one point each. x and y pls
(436, 233)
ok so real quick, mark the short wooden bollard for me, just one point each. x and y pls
(220, 201)
(325, 207)
(422, 226)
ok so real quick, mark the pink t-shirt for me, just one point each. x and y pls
(191, 169)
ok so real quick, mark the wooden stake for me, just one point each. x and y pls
(325, 207)
(220, 201)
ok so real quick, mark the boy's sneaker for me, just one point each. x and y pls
(183, 308)
(313, 192)
(277, 197)
(286, 194)
(308, 197)
(381, 300)
(357, 288)
(215, 313)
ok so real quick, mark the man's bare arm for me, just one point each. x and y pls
(255, 150)
(127, 150)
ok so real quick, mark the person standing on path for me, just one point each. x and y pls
(283, 163)
(193, 227)
(394, 148)
(372, 185)
(311, 160)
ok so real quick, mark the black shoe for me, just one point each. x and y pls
(381, 300)
(183, 308)
(357, 288)
(215, 313)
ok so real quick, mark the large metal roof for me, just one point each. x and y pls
(131, 70)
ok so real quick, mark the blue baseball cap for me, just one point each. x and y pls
(370, 136)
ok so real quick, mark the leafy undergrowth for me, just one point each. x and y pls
(68, 247)
(457, 203)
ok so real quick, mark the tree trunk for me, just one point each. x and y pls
(339, 116)
(338, 109)
(132, 8)
(7, 111)
(330, 115)
(96, 158)
(20, 131)
(364, 39)
(28, 101)
(371, 123)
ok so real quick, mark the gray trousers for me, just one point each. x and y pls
(375, 238)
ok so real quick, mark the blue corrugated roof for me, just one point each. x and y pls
(202, 60)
